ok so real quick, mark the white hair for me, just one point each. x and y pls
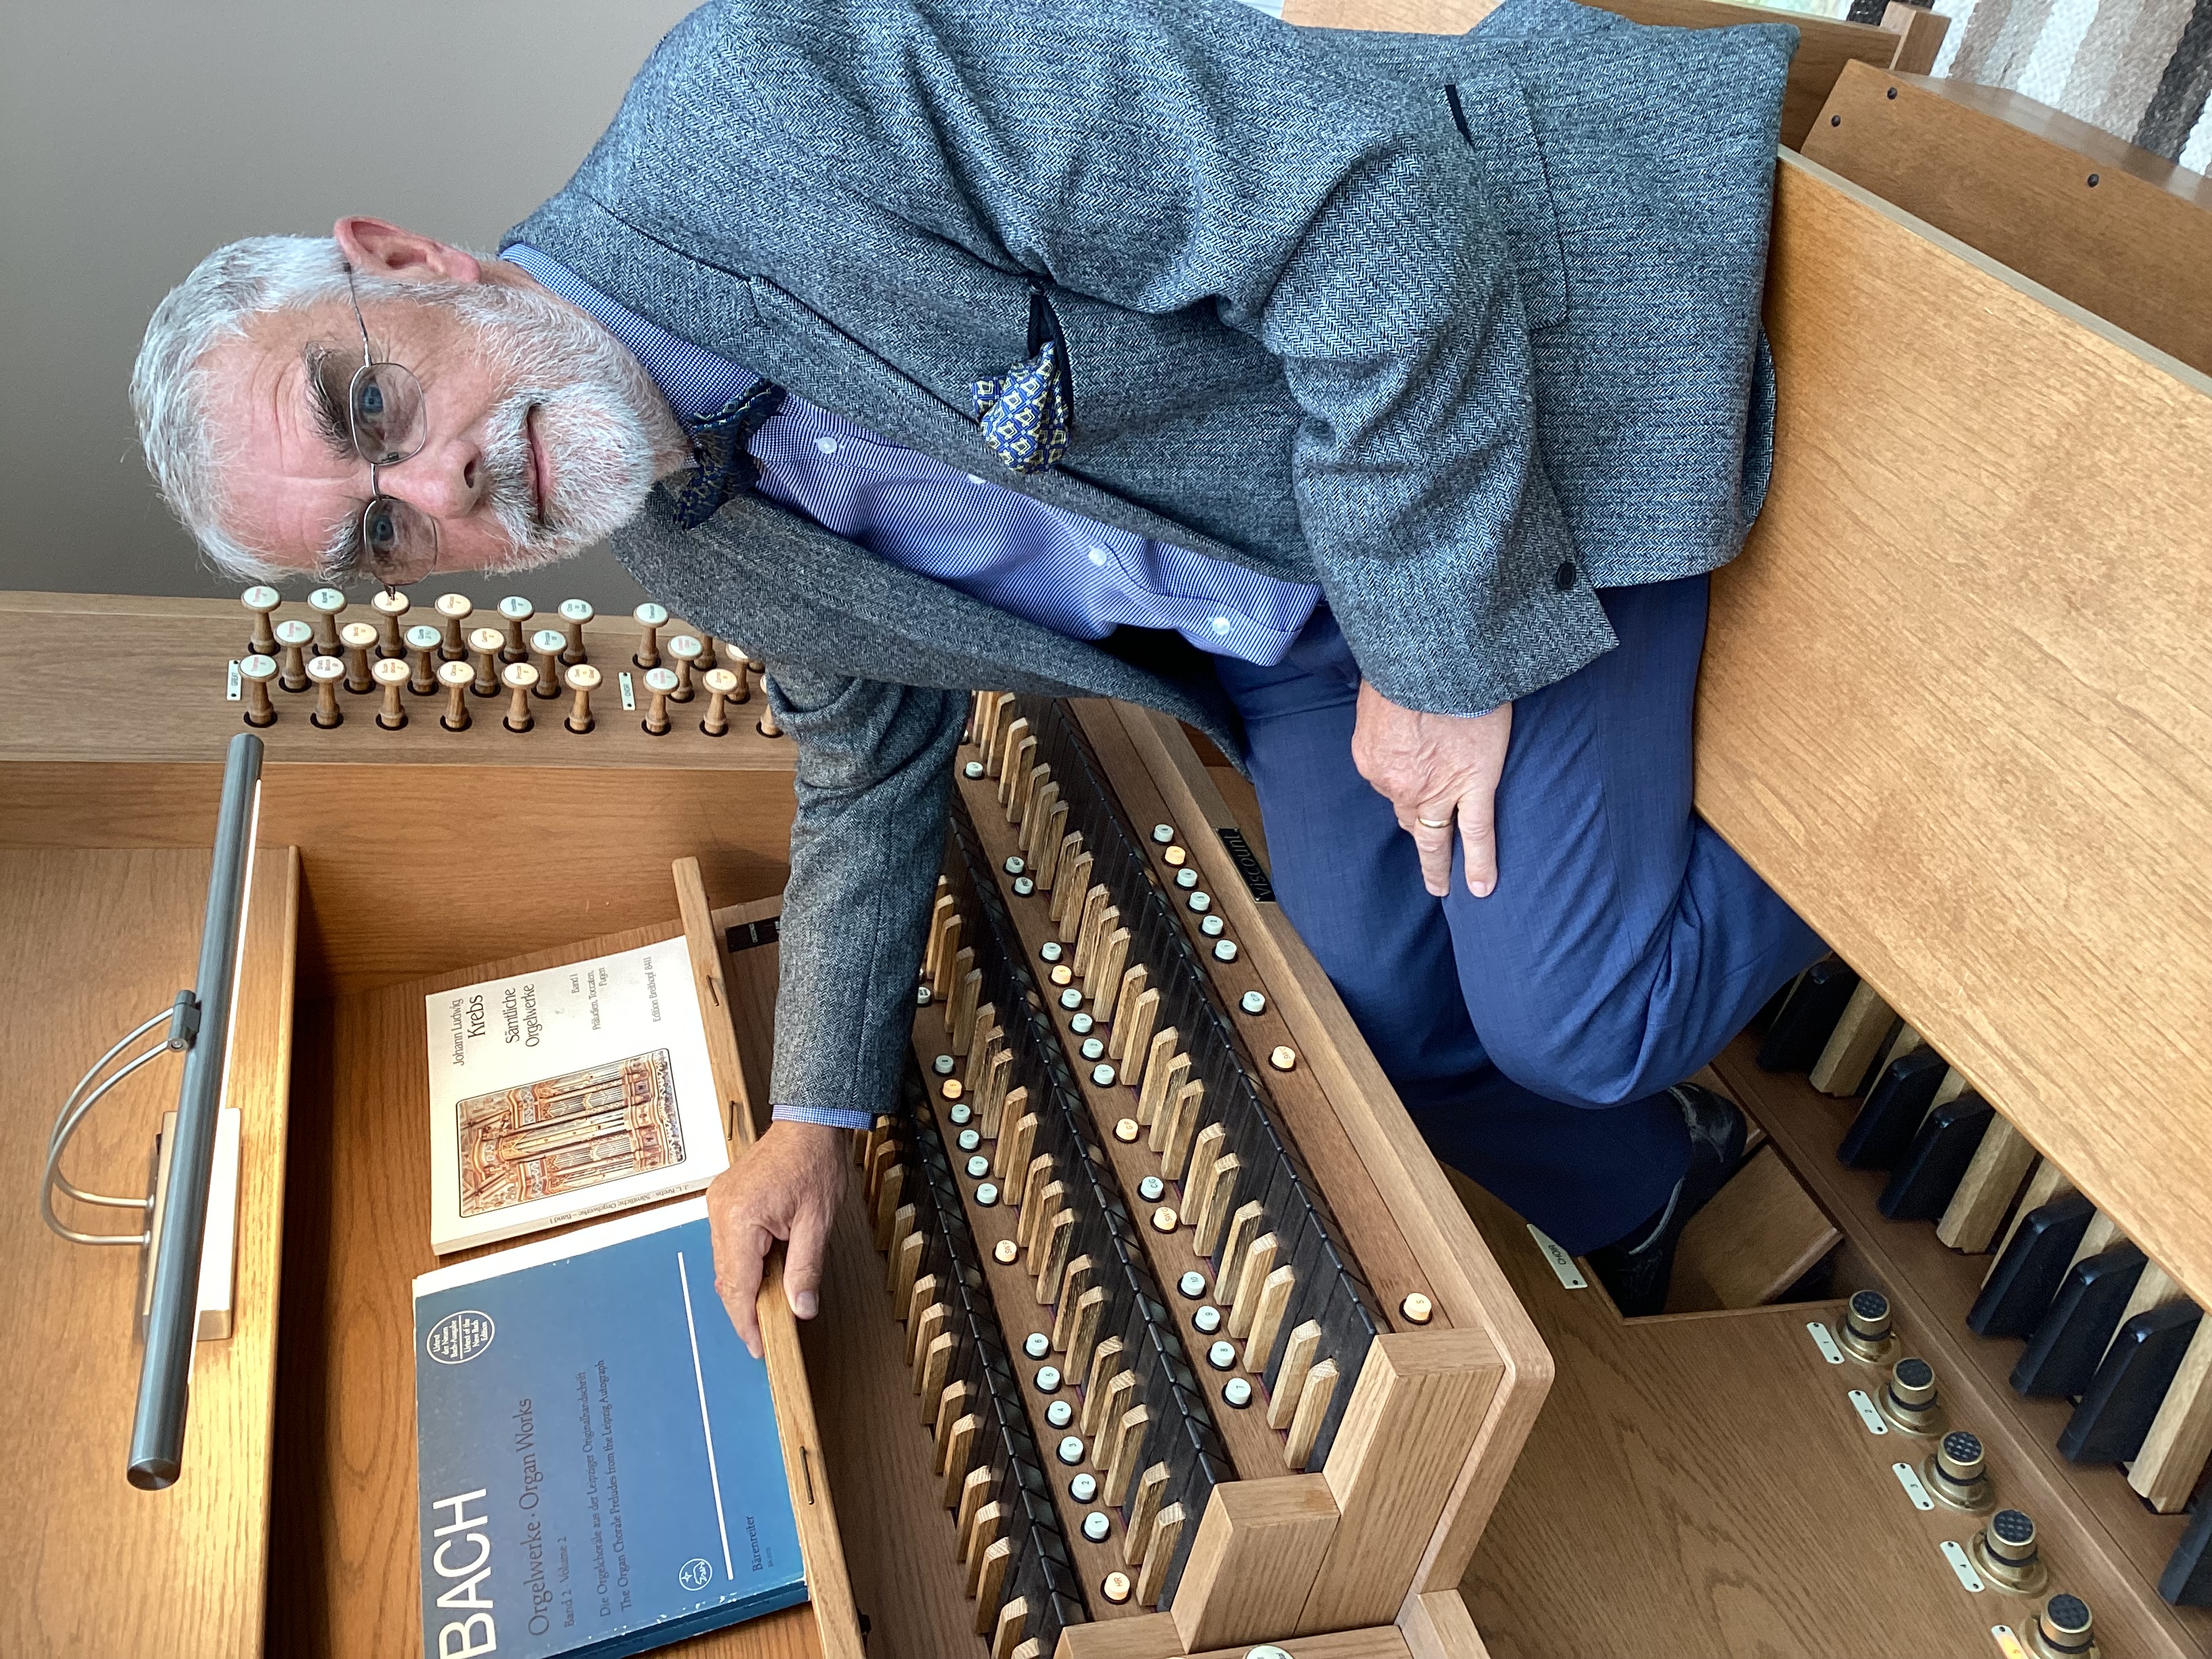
(225, 293)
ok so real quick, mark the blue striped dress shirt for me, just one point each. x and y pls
(1051, 567)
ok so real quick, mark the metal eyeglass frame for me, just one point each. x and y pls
(376, 496)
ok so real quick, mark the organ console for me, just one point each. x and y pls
(1092, 1151)
(1151, 1329)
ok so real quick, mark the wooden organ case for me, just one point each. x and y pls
(1287, 1377)
(1953, 709)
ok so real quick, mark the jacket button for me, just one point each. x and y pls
(1564, 577)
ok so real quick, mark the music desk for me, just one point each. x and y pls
(97, 939)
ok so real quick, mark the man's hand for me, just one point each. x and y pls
(1434, 769)
(787, 1186)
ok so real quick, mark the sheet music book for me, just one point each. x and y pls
(598, 1470)
(568, 1093)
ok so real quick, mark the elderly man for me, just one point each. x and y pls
(1376, 405)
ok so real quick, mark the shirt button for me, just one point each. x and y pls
(1221, 624)
(1097, 556)
(827, 445)
(1564, 577)
(972, 478)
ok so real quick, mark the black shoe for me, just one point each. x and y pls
(1637, 1266)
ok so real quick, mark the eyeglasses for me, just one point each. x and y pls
(386, 420)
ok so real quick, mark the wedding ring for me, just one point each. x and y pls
(1434, 823)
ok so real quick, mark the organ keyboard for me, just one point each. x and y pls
(1092, 1139)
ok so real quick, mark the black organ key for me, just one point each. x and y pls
(1310, 1263)
(1150, 942)
(2019, 1288)
(1883, 1132)
(1092, 1228)
(2109, 1425)
(1281, 1197)
(1348, 1327)
(1192, 1484)
(2187, 1580)
(2061, 1356)
(1801, 1029)
(1922, 1187)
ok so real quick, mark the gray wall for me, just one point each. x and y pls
(136, 135)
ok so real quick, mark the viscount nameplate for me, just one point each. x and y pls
(1247, 863)
(748, 934)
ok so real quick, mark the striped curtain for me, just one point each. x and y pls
(2139, 69)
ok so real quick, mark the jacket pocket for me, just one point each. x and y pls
(1045, 330)
(1026, 413)
(1493, 115)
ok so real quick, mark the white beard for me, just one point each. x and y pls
(602, 423)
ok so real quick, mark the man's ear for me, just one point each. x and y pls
(382, 249)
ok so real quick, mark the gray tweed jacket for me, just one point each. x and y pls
(1459, 327)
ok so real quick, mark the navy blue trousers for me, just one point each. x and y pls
(1532, 1034)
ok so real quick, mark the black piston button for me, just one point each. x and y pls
(1866, 1329)
(1956, 1473)
(1909, 1400)
(2006, 1552)
(2062, 1630)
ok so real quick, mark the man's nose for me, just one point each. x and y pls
(446, 480)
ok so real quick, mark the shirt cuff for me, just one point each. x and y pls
(830, 1117)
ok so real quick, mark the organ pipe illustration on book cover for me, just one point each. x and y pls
(562, 1135)
(569, 1092)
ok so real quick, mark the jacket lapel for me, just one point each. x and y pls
(782, 588)
(752, 321)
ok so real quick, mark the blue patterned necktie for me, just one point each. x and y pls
(725, 467)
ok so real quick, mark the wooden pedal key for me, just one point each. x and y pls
(2028, 1273)
(1921, 1186)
